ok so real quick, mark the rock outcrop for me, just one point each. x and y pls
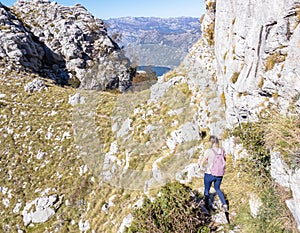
(66, 44)
(18, 45)
(45, 208)
(289, 178)
(246, 62)
(257, 55)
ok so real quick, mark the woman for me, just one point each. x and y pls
(209, 158)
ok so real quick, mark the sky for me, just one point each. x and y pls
(106, 9)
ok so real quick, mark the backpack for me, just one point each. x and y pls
(219, 164)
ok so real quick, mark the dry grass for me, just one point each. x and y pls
(30, 118)
(237, 186)
(21, 111)
(173, 73)
(223, 98)
(235, 77)
(283, 135)
(238, 195)
(25, 120)
(280, 133)
(273, 59)
(209, 34)
(261, 82)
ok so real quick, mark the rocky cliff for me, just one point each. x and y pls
(255, 49)
(66, 44)
(257, 55)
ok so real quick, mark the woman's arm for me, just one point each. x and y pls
(203, 160)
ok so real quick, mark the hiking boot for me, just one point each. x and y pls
(225, 208)
(206, 202)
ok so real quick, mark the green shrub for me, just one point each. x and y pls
(274, 215)
(268, 218)
(283, 133)
(173, 210)
(252, 138)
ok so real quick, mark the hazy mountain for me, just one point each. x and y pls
(155, 41)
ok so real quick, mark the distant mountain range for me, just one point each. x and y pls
(155, 41)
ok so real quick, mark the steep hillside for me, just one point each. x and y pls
(75, 160)
(46, 185)
(155, 41)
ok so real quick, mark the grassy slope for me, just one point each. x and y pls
(25, 121)
(31, 117)
(238, 185)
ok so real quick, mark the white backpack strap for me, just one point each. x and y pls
(214, 151)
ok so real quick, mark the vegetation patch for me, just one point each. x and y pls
(235, 77)
(173, 210)
(252, 138)
(273, 59)
(38, 153)
(261, 82)
(273, 216)
(283, 133)
(223, 98)
(209, 34)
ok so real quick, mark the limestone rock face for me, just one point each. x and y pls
(63, 43)
(293, 204)
(18, 45)
(256, 49)
(246, 61)
(35, 85)
(288, 178)
(280, 171)
(257, 55)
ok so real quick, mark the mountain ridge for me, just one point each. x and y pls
(155, 41)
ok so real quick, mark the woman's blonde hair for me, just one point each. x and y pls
(214, 141)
